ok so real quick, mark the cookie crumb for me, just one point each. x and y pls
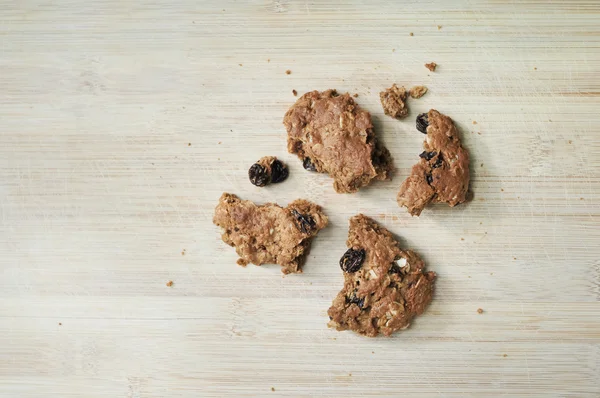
(241, 262)
(479, 310)
(534, 68)
(514, 258)
(219, 143)
(288, 72)
(240, 64)
(350, 374)
(474, 121)
(411, 34)
(481, 164)
(189, 144)
(272, 388)
(504, 355)
(169, 283)
(502, 189)
(393, 50)
(268, 59)
(294, 92)
(439, 27)
(183, 252)
(570, 141)
(59, 323)
(356, 96)
(580, 198)
(431, 66)
(462, 238)
(418, 91)
(393, 101)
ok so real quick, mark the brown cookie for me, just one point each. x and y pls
(442, 173)
(268, 233)
(332, 134)
(384, 286)
(393, 101)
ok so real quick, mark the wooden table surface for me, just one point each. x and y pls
(122, 122)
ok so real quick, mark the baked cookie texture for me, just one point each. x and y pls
(393, 101)
(383, 292)
(332, 134)
(442, 173)
(269, 233)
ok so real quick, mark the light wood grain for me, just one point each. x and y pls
(101, 191)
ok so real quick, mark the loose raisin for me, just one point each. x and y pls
(258, 175)
(352, 260)
(308, 165)
(428, 155)
(305, 223)
(422, 122)
(279, 172)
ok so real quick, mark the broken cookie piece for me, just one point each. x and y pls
(332, 134)
(268, 233)
(385, 287)
(267, 170)
(393, 101)
(442, 173)
(431, 66)
(418, 91)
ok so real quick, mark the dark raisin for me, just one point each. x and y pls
(422, 122)
(352, 260)
(429, 179)
(395, 269)
(308, 165)
(305, 223)
(279, 172)
(353, 299)
(428, 155)
(258, 175)
(438, 162)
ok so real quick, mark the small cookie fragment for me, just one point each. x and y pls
(393, 101)
(442, 173)
(418, 91)
(269, 233)
(169, 283)
(384, 288)
(267, 170)
(332, 134)
(431, 66)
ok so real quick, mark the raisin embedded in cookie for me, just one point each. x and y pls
(268, 233)
(442, 173)
(268, 170)
(393, 101)
(332, 134)
(384, 286)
